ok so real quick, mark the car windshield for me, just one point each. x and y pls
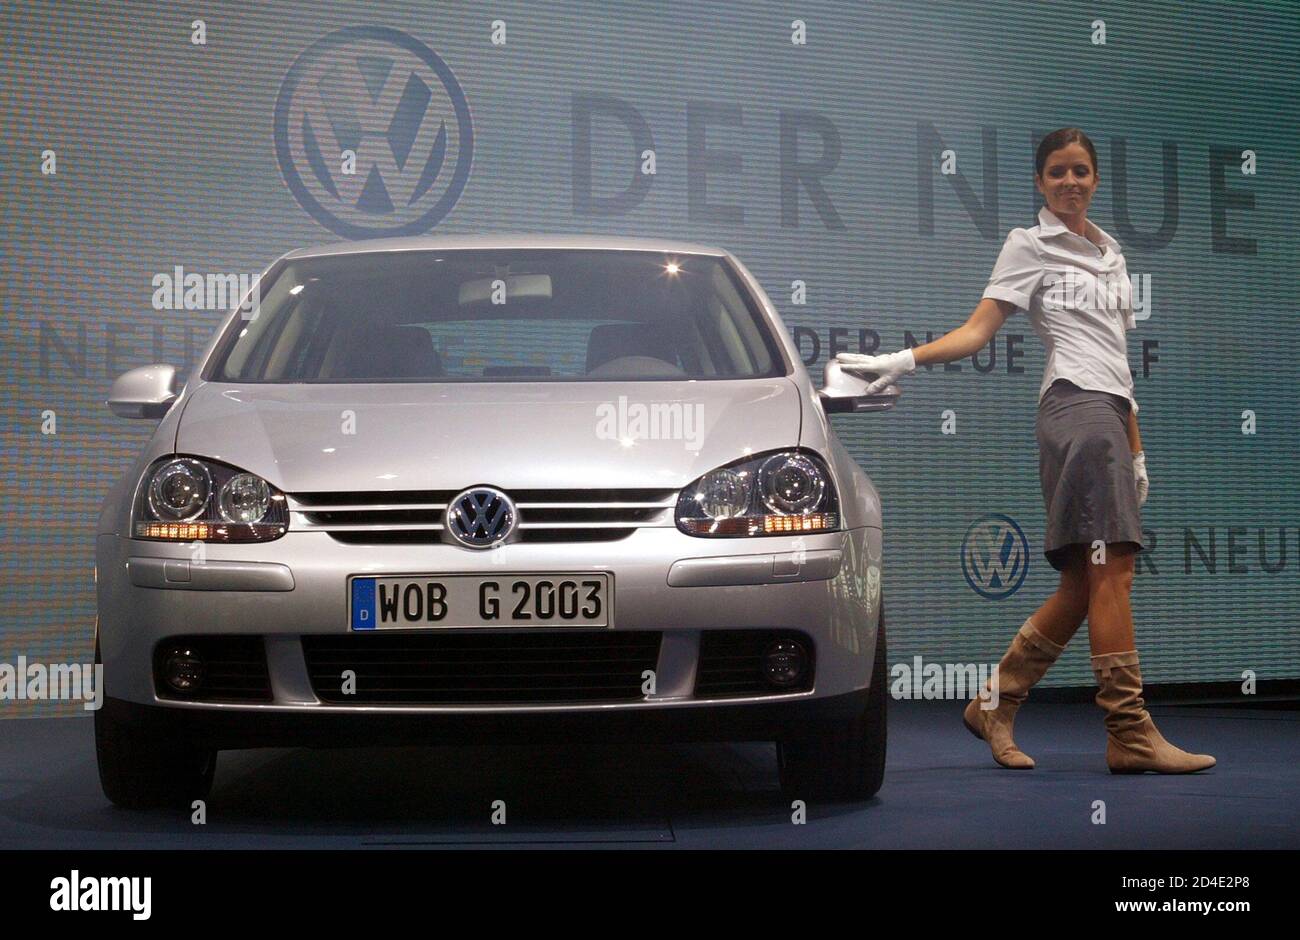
(500, 315)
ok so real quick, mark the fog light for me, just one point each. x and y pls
(784, 663)
(183, 669)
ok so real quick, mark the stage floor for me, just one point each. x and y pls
(941, 790)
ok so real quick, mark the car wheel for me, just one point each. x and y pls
(140, 770)
(843, 760)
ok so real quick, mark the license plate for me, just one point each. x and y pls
(450, 601)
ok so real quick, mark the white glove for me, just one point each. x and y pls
(1140, 471)
(889, 367)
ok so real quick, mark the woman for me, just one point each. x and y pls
(1071, 278)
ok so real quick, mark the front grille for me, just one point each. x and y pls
(481, 668)
(731, 663)
(415, 517)
(234, 669)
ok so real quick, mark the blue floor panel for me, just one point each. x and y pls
(941, 790)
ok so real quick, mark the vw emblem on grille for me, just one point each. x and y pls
(480, 517)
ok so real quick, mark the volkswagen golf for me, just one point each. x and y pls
(507, 488)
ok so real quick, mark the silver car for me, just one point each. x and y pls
(508, 488)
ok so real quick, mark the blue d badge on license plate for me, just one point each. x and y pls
(363, 603)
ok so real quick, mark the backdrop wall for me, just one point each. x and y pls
(878, 155)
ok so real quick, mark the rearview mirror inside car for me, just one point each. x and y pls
(504, 289)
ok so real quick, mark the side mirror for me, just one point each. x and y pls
(146, 392)
(846, 391)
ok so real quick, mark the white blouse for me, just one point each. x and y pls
(1079, 300)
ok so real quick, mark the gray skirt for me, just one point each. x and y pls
(1086, 470)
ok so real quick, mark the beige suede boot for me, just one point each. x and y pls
(1133, 744)
(1024, 663)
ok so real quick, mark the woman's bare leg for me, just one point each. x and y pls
(1033, 650)
(1063, 611)
(1133, 743)
(1110, 618)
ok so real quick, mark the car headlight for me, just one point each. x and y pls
(791, 483)
(780, 493)
(179, 490)
(245, 497)
(185, 499)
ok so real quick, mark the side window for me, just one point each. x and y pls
(746, 353)
(300, 360)
(284, 358)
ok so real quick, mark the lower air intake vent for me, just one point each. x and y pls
(212, 669)
(739, 662)
(481, 668)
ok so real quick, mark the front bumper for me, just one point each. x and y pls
(826, 586)
(233, 728)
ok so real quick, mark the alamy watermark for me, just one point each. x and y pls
(78, 892)
(55, 682)
(629, 422)
(1111, 291)
(946, 681)
(179, 289)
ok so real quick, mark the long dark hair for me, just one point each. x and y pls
(1059, 138)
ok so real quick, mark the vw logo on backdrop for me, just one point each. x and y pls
(480, 517)
(995, 556)
(398, 107)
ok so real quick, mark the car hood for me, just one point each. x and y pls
(312, 438)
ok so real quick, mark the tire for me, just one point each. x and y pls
(842, 760)
(142, 770)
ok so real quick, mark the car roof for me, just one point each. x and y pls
(520, 240)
